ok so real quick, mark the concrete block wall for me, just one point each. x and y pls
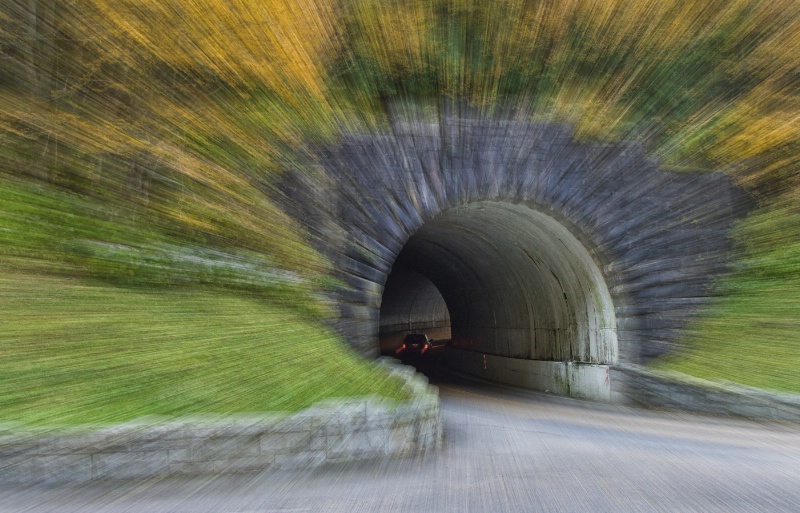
(328, 432)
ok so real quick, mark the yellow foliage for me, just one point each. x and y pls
(282, 44)
(215, 90)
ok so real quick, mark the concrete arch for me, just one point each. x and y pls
(517, 283)
(506, 212)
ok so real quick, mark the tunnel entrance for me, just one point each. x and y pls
(411, 304)
(522, 299)
(526, 232)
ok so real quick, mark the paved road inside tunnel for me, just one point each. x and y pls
(505, 450)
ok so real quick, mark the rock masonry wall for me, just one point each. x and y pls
(670, 390)
(327, 433)
(660, 237)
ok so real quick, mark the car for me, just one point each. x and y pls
(414, 343)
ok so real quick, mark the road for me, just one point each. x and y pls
(506, 450)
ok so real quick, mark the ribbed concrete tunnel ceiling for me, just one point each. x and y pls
(515, 281)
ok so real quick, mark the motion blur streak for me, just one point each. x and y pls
(157, 256)
(506, 451)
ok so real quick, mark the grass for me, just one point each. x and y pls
(753, 340)
(44, 229)
(74, 352)
(751, 334)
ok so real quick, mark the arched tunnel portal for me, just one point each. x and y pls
(556, 259)
(521, 298)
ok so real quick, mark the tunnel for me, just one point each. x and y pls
(548, 262)
(411, 303)
(521, 298)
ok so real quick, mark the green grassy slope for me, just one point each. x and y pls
(74, 353)
(751, 334)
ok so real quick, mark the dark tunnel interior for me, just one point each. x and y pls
(501, 279)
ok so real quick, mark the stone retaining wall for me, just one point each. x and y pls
(653, 389)
(328, 432)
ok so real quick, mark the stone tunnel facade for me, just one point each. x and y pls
(555, 258)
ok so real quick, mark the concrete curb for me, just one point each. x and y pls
(326, 433)
(658, 389)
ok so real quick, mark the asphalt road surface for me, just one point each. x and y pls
(506, 450)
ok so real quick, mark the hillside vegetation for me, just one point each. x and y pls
(88, 353)
(141, 141)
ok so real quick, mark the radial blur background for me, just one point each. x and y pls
(147, 247)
